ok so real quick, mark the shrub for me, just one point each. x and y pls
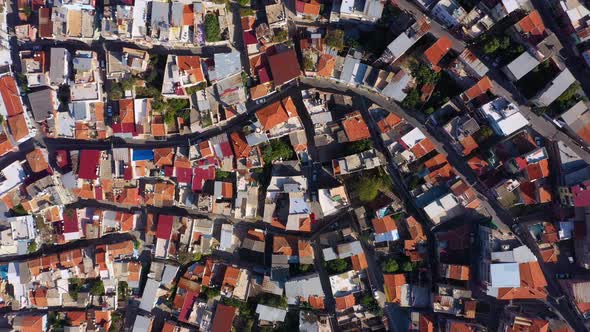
(335, 39)
(390, 266)
(212, 30)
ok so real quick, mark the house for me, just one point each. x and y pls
(355, 127)
(332, 200)
(369, 11)
(520, 66)
(385, 229)
(143, 324)
(43, 104)
(503, 116)
(270, 315)
(225, 65)
(437, 51)
(397, 86)
(307, 9)
(275, 15)
(357, 162)
(444, 208)
(512, 281)
(279, 118)
(59, 59)
(284, 67)
(181, 73)
(223, 318)
(306, 288)
(577, 120)
(395, 286)
(405, 40)
(479, 89)
(460, 130)
(554, 89)
(30, 322)
(449, 13)
(35, 67)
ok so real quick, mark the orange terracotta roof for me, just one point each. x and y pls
(538, 170)
(422, 148)
(205, 149)
(389, 122)
(532, 24)
(284, 245)
(103, 319)
(38, 297)
(438, 50)
(384, 225)
(126, 111)
(37, 160)
(29, 322)
(188, 16)
(480, 88)
(257, 235)
(469, 308)
(469, 144)
(304, 248)
(549, 255)
(76, 318)
(345, 302)
(326, 65)
(10, 96)
(436, 161)
(359, 262)
(18, 126)
(456, 326)
(164, 157)
(393, 286)
(158, 127)
(241, 147)
(415, 229)
(426, 324)
(248, 22)
(259, 91)
(191, 65)
(272, 115)
(544, 193)
(316, 302)
(5, 145)
(355, 127)
(458, 272)
(527, 193)
(231, 276)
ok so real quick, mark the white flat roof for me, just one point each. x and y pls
(505, 275)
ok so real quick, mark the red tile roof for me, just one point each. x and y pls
(393, 286)
(422, 148)
(316, 302)
(191, 65)
(223, 319)
(384, 225)
(538, 170)
(165, 223)
(480, 88)
(389, 122)
(345, 302)
(359, 262)
(355, 127)
(532, 24)
(326, 65)
(438, 50)
(89, 160)
(284, 66)
(276, 113)
(10, 95)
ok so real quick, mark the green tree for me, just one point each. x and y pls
(74, 287)
(371, 304)
(491, 45)
(18, 210)
(338, 266)
(308, 63)
(280, 36)
(367, 187)
(212, 30)
(358, 146)
(32, 247)
(335, 39)
(485, 132)
(123, 291)
(97, 288)
(277, 149)
(390, 266)
(412, 100)
(407, 266)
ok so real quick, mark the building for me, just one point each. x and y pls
(503, 116)
(554, 89)
(449, 13)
